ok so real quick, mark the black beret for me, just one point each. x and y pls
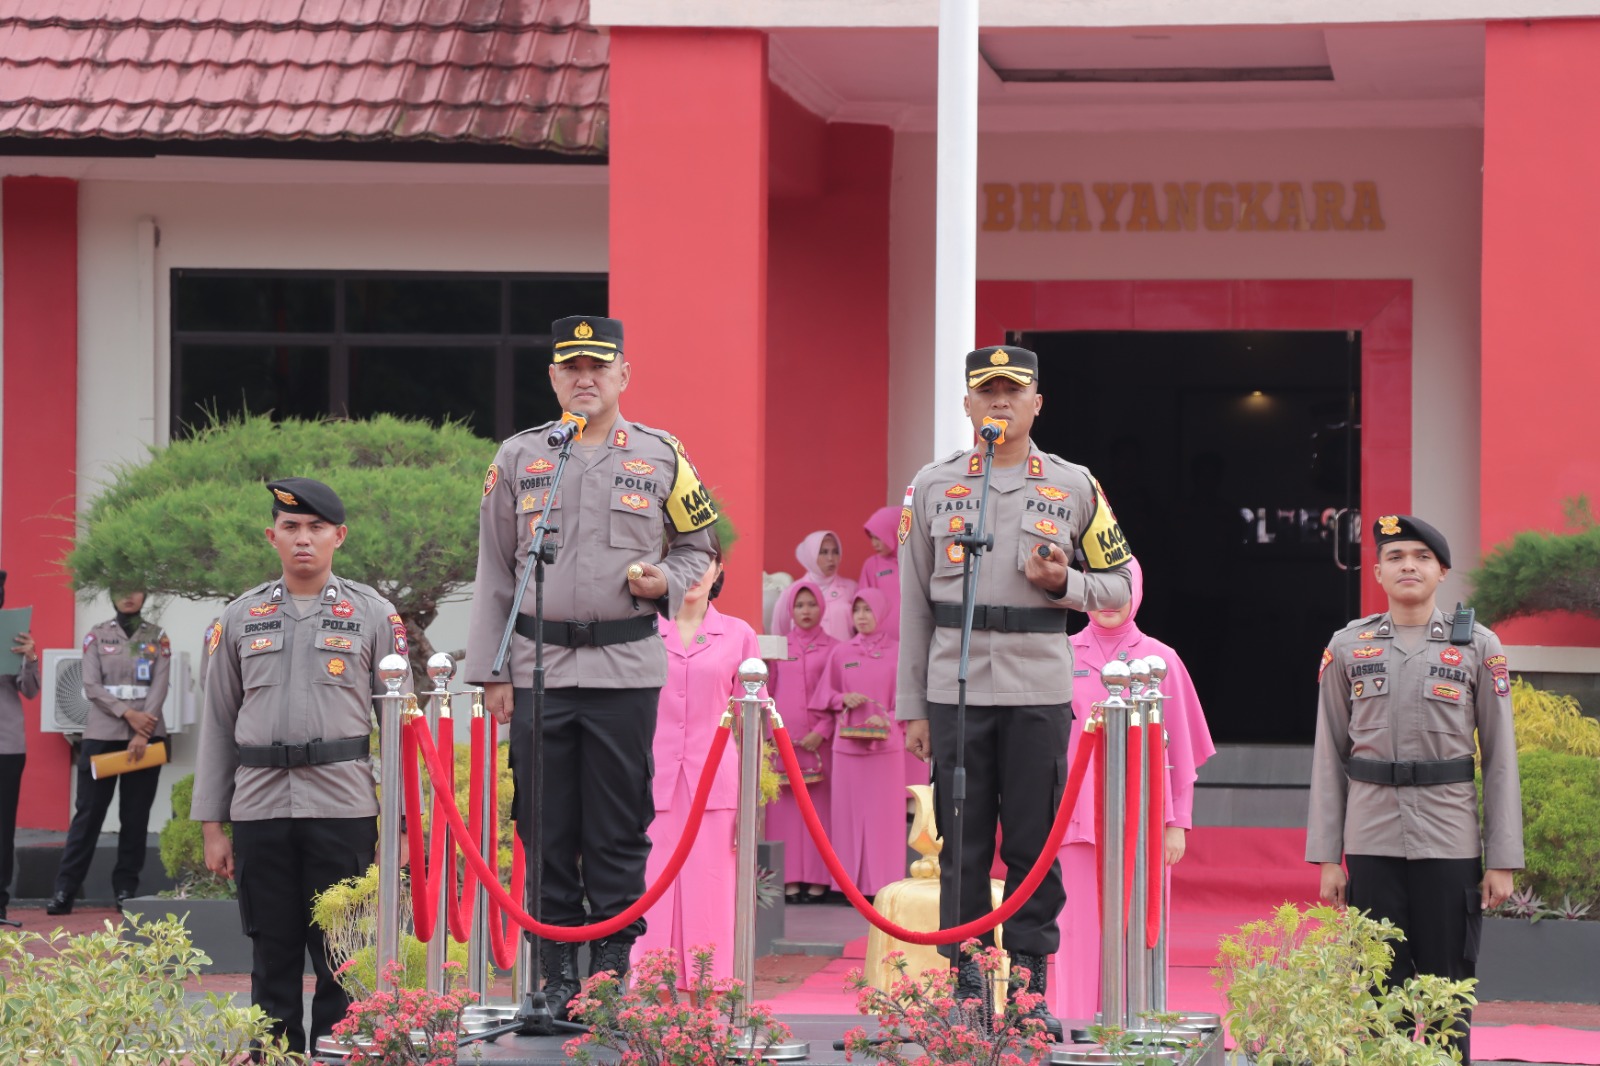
(302, 495)
(1002, 361)
(598, 338)
(1392, 527)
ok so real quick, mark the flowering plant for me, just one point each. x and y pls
(1142, 1047)
(922, 1010)
(653, 1023)
(406, 1026)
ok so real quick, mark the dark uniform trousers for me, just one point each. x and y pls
(137, 791)
(596, 798)
(1009, 784)
(10, 791)
(1438, 904)
(280, 864)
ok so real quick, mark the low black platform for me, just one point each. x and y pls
(39, 856)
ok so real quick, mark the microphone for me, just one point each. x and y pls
(994, 430)
(570, 426)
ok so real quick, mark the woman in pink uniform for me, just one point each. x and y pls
(820, 554)
(793, 683)
(1075, 988)
(881, 571)
(704, 650)
(869, 797)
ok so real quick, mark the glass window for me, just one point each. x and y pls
(533, 402)
(422, 305)
(536, 304)
(240, 304)
(288, 381)
(435, 383)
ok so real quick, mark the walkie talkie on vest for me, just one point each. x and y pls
(1461, 626)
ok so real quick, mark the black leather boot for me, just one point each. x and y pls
(611, 954)
(60, 903)
(1035, 965)
(970, 985)
(559, 964)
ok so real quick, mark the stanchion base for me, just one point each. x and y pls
(479, 1018)
(784, 1052)
(534, 1016)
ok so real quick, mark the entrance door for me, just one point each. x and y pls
(1232, 460)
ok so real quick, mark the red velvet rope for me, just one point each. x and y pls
(423, 908)
(1156, 820)
(571, 934)
(977, 927)
(503, 935)
(458, 908)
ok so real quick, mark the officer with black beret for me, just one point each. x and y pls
(1403, 694)
(285, 751)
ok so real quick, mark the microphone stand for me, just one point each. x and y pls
(973, 545)
(534, 1017)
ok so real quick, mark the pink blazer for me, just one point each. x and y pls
(700, 678)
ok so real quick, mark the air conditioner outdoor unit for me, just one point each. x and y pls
(63, 708)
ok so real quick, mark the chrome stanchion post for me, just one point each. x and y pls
(392, 670)
(1138, 914)
(1113, 988)
(440, 669)
(1156, 733)
(478, 954)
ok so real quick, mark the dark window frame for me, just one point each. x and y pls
(340, 341)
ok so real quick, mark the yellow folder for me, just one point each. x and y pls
(113, 763)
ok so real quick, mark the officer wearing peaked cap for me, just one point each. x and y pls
(1402, 695)
(632, 531)
(284, 750)
(1019, 690)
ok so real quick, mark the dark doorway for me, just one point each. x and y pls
(1233, 461)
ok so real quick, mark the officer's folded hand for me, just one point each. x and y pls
(917, 739)
(1047, 572)
(497, 700)
(650, 584)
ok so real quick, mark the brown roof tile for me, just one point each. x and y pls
(522, 73)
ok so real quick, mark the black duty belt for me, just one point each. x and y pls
(313, 753)
(570, 634)
(1003, 619)
(1434, 772)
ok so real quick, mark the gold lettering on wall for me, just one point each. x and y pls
(1182, 207)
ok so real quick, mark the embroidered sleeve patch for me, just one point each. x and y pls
(1103, 544)
(689, 505)
(213, 637)
(491, 478)
(1327, 661)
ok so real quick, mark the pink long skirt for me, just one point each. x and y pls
(697, 908)
(802, 862)
(869, 816)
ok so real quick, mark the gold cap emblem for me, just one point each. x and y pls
(999, 359)
(584, 331)
(1389, 524)
(286, 497)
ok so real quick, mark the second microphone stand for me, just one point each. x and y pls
(534, 1017)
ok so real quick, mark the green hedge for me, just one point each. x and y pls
(1561, 825)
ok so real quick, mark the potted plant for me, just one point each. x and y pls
(207, 903)
(921, 1011)
(1309, 987)
(651, 1021)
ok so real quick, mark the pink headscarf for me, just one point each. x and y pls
(882, 572)
(1188, 739)
(833, 593)
(885, 525)
(799, 638)
(881, 636)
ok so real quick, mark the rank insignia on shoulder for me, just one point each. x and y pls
(336, 667)
(956, 492)
(975, 464)
(539, 466)
(344, 609)
(635, 501)
(261, 609)
(1047, 527)
(1450, 656)
(619, 439)
(1369, 652)
(213, 637)
(1035, 466)
(639, 466)
(491, 478)
(955, 552)
(1327, 660)
(1051, 493)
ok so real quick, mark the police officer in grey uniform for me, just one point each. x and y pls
(1392, 792)
(16, 681)
(285, 750)
(126, 663)
(633, 532)
(1019, 688)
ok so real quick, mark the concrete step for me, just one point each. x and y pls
(39, 857)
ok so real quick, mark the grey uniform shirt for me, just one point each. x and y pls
(1381, 703)
(1045, 500)
(280, 673)
(13, 686)
(123, 673)
(632, 498)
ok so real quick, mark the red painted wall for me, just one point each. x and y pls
(39, 233)
(1541, 261)
(828, 332)
(689, 260)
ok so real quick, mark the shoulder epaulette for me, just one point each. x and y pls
(525, 432)
(248, 593)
